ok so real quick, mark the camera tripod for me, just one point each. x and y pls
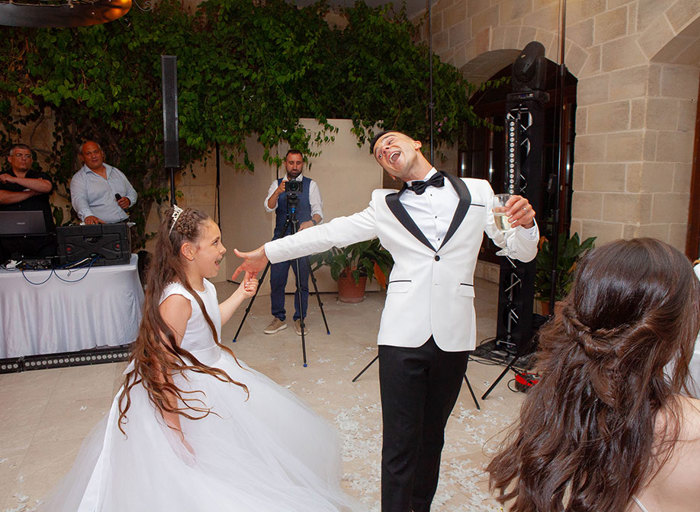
(290, 222)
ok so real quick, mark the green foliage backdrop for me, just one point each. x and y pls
(244, 69)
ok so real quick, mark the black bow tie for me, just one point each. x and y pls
(418, 186)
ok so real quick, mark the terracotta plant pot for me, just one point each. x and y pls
(349, 290)
(545, 309)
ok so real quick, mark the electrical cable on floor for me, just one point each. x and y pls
(511, 383)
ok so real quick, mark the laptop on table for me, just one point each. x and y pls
(21, 223)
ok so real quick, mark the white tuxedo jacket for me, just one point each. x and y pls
(431, 289)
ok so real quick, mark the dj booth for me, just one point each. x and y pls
(96, 303)
(53, 311)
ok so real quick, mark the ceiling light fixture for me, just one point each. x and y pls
(59, 13)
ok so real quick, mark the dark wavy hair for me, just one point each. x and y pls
(156, 356)
(586, 438)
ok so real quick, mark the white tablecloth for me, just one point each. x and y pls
(67, 313)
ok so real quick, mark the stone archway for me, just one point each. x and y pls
(484, 66)
(510, 37)
(673, 123)
(637, 69)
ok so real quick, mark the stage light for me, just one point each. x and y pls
(41, 362)
(68, 13)
(529, 68)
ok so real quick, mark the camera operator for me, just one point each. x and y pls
(293, 192)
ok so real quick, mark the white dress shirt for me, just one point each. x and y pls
(432, 211)
(92, 195)
(314, 197)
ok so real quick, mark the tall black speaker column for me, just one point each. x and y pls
(524, 176)
(171, 150)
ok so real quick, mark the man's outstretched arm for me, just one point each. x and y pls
(339, 232)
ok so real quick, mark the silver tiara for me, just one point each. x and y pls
(177, 211)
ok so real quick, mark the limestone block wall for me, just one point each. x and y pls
(637, 64)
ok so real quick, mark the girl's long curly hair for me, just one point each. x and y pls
(156, 355)
(587, 439)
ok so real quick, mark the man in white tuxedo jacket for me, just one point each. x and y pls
(433, 228)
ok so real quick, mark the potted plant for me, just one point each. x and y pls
(354, 265)
(571, 249)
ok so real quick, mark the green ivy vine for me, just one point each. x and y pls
(244, 69)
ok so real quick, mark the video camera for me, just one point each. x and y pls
(293, 187)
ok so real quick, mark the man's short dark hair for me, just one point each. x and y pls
(377, 137)
(293, 152)
(19, 146)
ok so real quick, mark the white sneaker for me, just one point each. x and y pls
(275, 326)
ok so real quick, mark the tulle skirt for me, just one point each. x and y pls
(265, 452)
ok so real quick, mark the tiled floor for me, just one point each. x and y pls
(44, 415)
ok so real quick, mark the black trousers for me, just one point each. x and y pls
(419, 388)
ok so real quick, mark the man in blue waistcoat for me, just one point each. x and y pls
(305, 199)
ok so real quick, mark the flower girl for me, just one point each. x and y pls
(192, 428)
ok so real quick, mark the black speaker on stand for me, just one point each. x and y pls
(171, 149)
(524, 176)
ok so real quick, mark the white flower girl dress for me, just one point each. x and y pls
(264, 453)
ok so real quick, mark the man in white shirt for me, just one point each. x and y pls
(304, 198)
(433, 228)
(100, 193)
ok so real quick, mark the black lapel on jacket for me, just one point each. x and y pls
(392, 201)
(465, 201)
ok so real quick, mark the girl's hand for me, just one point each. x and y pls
(247, 288)
(249, 285)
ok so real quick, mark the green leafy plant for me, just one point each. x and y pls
(570, 251)
(366, 258)
(246, 70)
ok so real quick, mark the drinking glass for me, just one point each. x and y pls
(500, 216)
